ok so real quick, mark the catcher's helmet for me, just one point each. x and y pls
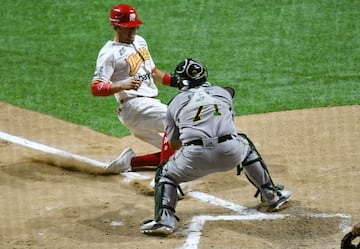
(124, 15)
(191, 73)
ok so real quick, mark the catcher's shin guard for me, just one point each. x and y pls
(256, 170)
(165, 199)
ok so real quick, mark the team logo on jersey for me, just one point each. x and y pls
(122, 51)
(135, 60)
(98, 71)
(132, 17)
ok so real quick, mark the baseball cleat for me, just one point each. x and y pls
(121, 163)
(281, 199)
(157, 229)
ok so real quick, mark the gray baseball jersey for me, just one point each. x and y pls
(203, 113)
(200, 113)
(202, 118)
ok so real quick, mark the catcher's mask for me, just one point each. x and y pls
(190, 73)
(124, 15)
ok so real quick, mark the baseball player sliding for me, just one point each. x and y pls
(200, 126)
(125, 69)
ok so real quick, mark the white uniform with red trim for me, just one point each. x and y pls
(140, 111)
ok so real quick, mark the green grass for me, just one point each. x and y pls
(278, 55)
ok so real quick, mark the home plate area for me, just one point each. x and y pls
(252, 221)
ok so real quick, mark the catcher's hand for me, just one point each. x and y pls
(346, 242)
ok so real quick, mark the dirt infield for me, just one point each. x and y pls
(313, 152)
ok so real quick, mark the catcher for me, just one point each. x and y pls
(347, 241)
(200, 126)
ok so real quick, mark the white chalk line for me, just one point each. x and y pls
(244, 213)
(197, 222)
(217, 201)
(131, 176)
(91, 163)
(51, 150)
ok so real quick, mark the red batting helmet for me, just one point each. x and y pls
(125, 16)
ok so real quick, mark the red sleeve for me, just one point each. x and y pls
(99, 88)
(167, 79)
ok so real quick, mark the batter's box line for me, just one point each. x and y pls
(244, 213)
(197, 222)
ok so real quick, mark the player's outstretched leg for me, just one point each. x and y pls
(122, 162)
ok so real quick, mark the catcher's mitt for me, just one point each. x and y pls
(346, 242)
(230, 90)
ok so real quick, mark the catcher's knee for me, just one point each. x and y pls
(261, 180)
(252, 157)
(159, 174)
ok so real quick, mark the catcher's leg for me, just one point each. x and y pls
(257, 173)
(165, 204)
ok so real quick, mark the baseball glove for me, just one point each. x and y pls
(230, 90)
(346, 242)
